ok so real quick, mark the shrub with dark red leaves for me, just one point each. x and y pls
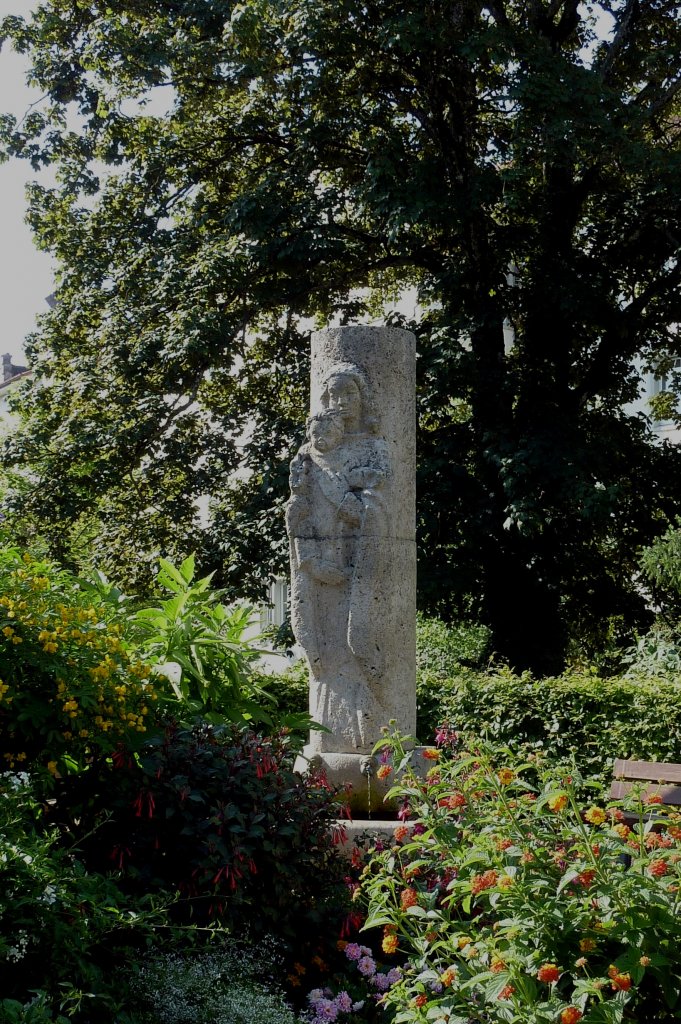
(218, 815)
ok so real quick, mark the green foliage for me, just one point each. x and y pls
(442, 648)
(579, 714)
(312, 161)
(63, 928)
(289, 689)
(512, 902)
(226, 983)
(198, 643)
(218, 815)
(661, 566)
(656, 655)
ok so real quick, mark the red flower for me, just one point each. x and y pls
(548, 973)
(571, 1015)
(408, 898)
(658, 868)
(484, 881)
(506, 992)
(619, 982)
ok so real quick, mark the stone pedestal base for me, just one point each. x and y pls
(358, 773)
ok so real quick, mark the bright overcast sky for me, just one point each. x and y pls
(25, 273)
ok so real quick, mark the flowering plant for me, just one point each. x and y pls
(217, 814)
(511, 902)
(71, 688)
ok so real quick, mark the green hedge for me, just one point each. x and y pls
(578, 714)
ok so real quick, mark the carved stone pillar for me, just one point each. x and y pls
(351, 525)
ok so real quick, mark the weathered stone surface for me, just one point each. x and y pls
(351, 523)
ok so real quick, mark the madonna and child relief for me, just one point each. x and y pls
(347, 580)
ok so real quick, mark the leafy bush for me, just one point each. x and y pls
(218, 815)
(513, 903)
(443, 648)
(656, 654)
(289, 689)
(71, 687)
(198, 643)
(230, 983)
(661, 566)
(62, 928)
(579, 714)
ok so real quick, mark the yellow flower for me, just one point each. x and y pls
(506, 776)
(596, 816)
(557, 802)
(52, 767)
(587, 945)
(8, 631)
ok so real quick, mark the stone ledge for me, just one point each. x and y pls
(379, 828)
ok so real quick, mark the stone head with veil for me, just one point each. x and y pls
(336, 519)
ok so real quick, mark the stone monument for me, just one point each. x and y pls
(351, 526)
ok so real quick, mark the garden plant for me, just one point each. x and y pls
(511, 901)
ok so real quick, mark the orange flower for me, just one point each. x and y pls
(571, 1015)
(454, 802)
(619, 982)
(623, 831)
(431, 754)
(658, 868)
(420, 1000)
(506, 992)
(401, 832)
(497, 966)
(484, 881)
(389, 944)
(585, 878)
(504, 844)
(587, 945)
(653, 798)
(448, 976)
(408, 898)
(595, 816)
(384, 771)
(548, 973)
(557, 802)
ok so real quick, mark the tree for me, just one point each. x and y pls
(313, 159)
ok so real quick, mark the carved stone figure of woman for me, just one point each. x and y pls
(335, 519)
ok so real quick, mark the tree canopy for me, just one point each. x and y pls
(516, 162)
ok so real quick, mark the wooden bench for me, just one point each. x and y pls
(653, 778)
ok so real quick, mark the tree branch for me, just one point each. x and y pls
(622, 34)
